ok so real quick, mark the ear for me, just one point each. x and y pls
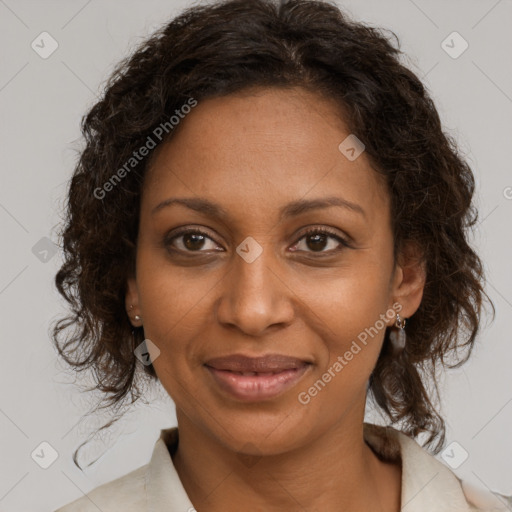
(132, 302)
(409, 279)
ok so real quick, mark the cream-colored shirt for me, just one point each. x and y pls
(428, 485)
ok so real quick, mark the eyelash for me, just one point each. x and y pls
(311, 231)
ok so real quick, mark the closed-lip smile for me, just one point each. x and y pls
(256, 378)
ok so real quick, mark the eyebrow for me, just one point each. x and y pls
(205, 206)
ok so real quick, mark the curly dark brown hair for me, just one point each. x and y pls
(222, 48)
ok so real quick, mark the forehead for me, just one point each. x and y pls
(259, 150)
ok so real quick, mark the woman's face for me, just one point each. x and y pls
(253, 283)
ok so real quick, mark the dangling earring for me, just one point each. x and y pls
(398, 337)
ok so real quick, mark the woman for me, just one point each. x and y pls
(268, 219)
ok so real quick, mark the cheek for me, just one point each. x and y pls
(351, 344)
(170, 296)
(353, 308)
(174, 308)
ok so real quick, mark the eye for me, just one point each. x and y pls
(191, 240)
(317, 239)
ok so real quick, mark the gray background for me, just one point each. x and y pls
(42, 101)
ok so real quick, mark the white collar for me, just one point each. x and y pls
(427, 484)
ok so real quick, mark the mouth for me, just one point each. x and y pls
(256, 378)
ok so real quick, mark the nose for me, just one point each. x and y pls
(254, 297)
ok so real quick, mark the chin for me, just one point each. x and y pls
(261, 433)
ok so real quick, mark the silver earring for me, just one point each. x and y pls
(398, 337)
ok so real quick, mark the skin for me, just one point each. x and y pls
(252, 153)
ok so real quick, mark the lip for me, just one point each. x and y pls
(265, 377)
(261, 364)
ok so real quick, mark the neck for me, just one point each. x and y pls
(337, 471)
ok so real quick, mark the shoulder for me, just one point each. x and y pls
(124, 494)
(484, 500)
(426, 480)
(154, 486)
(449, 487)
